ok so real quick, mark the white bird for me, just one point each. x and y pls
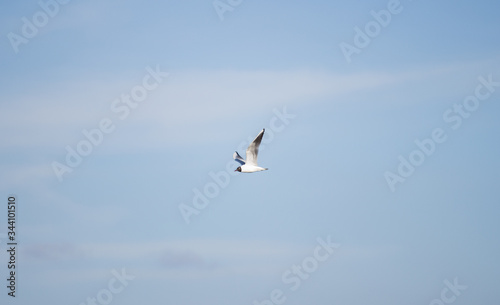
(250, 164)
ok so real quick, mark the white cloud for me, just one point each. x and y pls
(185, 103)
(206, 96)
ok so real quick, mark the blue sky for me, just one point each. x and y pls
(334, 129)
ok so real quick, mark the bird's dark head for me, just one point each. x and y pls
(238, 169)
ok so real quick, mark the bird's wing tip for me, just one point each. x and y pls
(238, 158)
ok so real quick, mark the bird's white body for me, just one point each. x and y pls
(250, 164)
(251, 168)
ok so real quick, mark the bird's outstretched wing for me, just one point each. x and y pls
(238, 158)
(253, 149)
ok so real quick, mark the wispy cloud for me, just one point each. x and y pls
(13, 176)
(189, 258)
(171, 251)
(178, 258)
(188, 99)
(54, 251)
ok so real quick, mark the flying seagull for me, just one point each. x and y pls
(250, 164)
